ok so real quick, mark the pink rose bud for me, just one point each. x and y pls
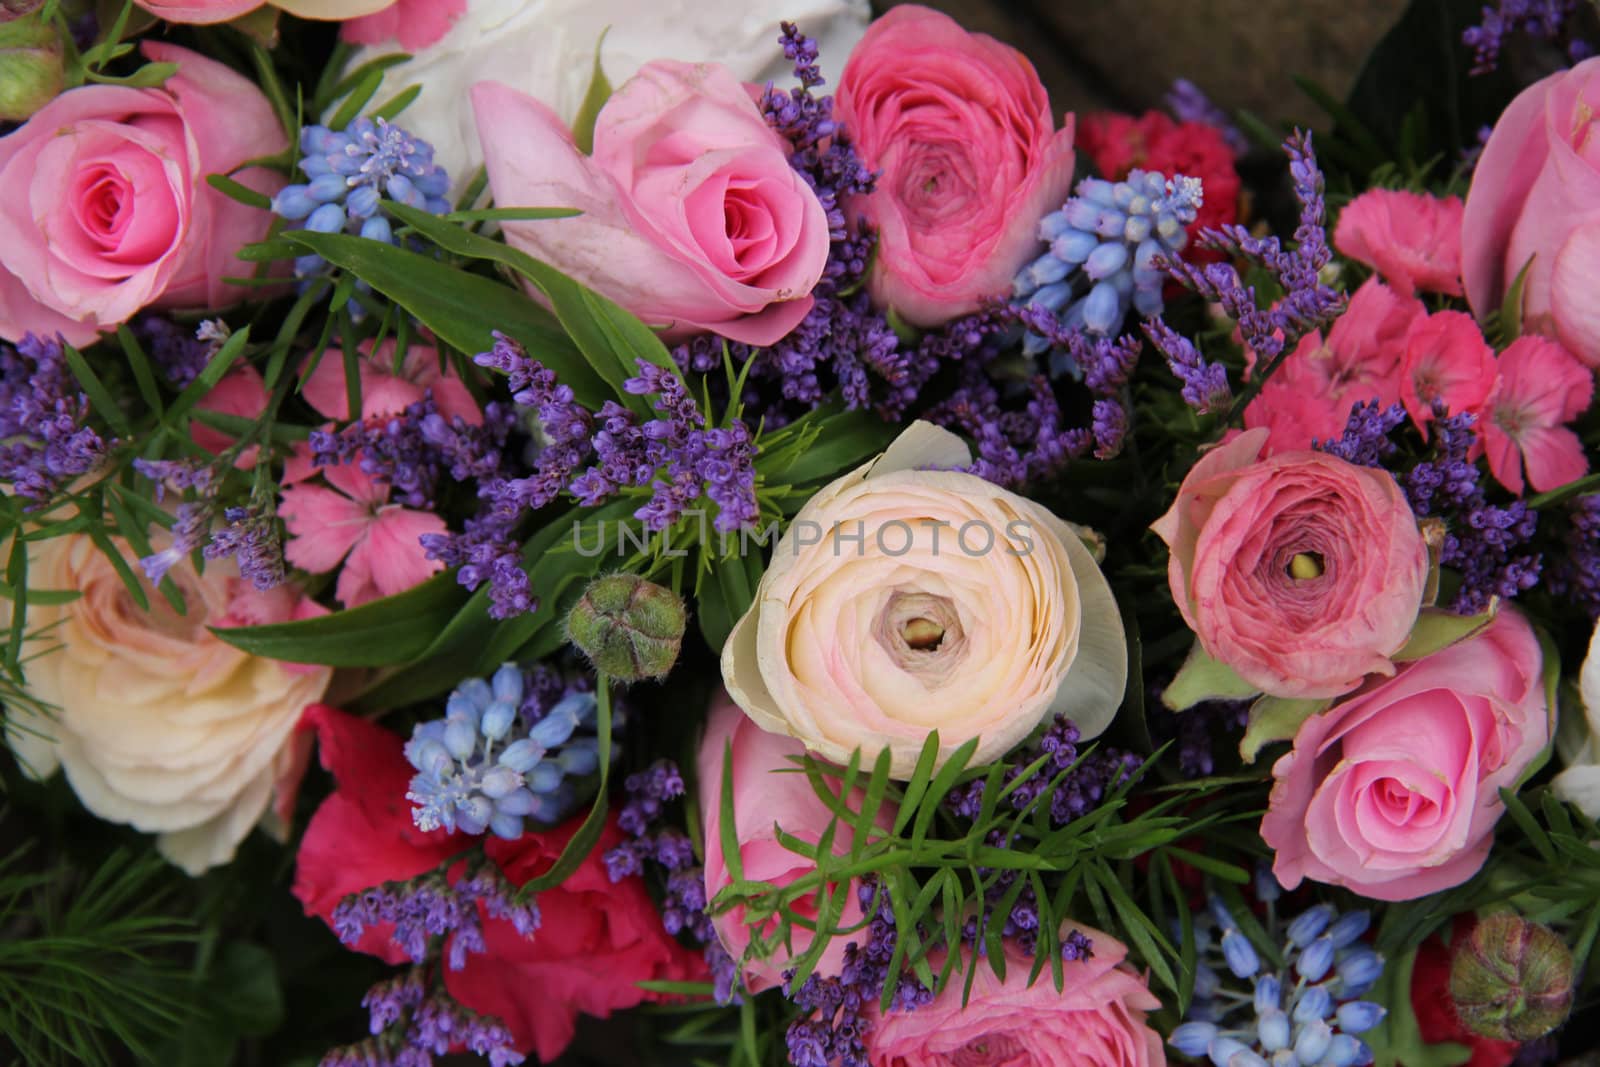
(960, 130)
(1301, 572)
(1394, 791)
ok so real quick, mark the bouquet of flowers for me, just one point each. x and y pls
(767, 532)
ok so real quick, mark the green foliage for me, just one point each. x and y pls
(91, 967)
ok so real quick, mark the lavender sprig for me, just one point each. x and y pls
(44, 442)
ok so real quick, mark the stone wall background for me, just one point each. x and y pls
(1124, 54)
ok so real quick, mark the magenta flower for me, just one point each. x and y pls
(1539, 387)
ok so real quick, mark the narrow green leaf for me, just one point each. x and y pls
(242, 193)
(917, 786)
(594, 99)
(1510, 317)
(866, 819)
(727, 825)
(208, 377)
(1214, 867)
(360, 95)
(100, 398)
(583, 841)
(943, 782)
(1202, 678)
(1528, 824)
(17, 582)
(398, 103)
(143, 376)
(133, 532)
(512, 214)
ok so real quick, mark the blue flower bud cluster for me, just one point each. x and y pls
(350, 173)
(495, 760)
(1103, 247)
(1306, 1015)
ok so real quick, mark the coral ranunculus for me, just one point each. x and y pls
(1301, 572)
(1394, 791)
(1098, 1019)
(904, 599)
(959, 128)
(692, 217)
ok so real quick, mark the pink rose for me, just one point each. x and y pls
(1310, 397)
(1412, 239)
(1096, 1020)
(107, 208)
(959, 129)
(1394, 791)
(207, 11)
(692, 217)
(1539, 388)
(1446, 362)
(768, 793)
(1302, 572)
(414, 24)
(1535, 197)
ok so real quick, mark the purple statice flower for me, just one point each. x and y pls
(189, 531)
(177, 352)
(1066, 784)
(177, 475)
(1306, 304)
(1365, 441)
(44, 443)
(394, 998)
(683, 905)
(1197, 730)
(411, 1024)
(250, 536)
(1545, 20)
(441, 1022)
(1189, 103)
(425, 911)
(1576, 574)
(1205, 385)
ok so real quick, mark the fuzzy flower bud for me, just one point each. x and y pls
(1511, 980)
(31, 66)
(629, 628)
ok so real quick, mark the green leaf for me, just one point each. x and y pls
(208, 377)
(726, 594)
(581, 843)
(1275, 719)
(397, 103)
(612, 340)
(917, 786)
(242, 193)
(1437, 629)
(143, 376)
(244, 983)
(1202, 678)
(593, 100)
(464, 310)
(831, 445)
(149, 76)
(512, 214)
(1510, 317)
(365, 88)
(384, 632)
(100, 398)
(1397, 1041)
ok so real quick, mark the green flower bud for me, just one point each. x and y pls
(32, 70)
(1511, 979)
(629, 628)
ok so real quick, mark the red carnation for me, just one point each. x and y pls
(1119, 143)
(596, 940)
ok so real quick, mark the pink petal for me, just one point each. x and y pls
(357, 484)
(325, 389)
(413, 23)
(1554, 457)
(323, 526)
(1573, 289)
(242, 392)
(1505, 458)
(397, 558)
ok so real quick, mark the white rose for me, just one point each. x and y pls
(546, 49)
(907, 597)
(156, 722)
(1578, 741)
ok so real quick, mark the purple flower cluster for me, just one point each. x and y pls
(1306, 304)
(1197, 730)
(429, 913)
(1576, 574)
(1067, 785)
(1546, 20)
(177, 353)
(837, 1011)
(411, 1025)
(1189, 103)
(413, 450)
(44, 443)
(595, 456)
(1485, 543)
(683, 907)
(249, 534)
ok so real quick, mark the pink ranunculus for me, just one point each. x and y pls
(107, 209)
(769, 794)
(959, 129)
(414, 24)
(1446, 362)
(1535, 203)
(1098, 1019)
(1301, 572)
(208, 11)
(1394, 791)
(387, 389)
(1310, 397)
(1412, 239)
(692, 217)
(352, 521)
(1540, 387)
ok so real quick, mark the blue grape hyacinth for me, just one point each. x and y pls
(498, 757)
(350, 173)
(1102, 246)
(1307, 1014)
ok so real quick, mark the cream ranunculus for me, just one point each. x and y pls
(907, 597)
(546, 48)
(156, 722)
